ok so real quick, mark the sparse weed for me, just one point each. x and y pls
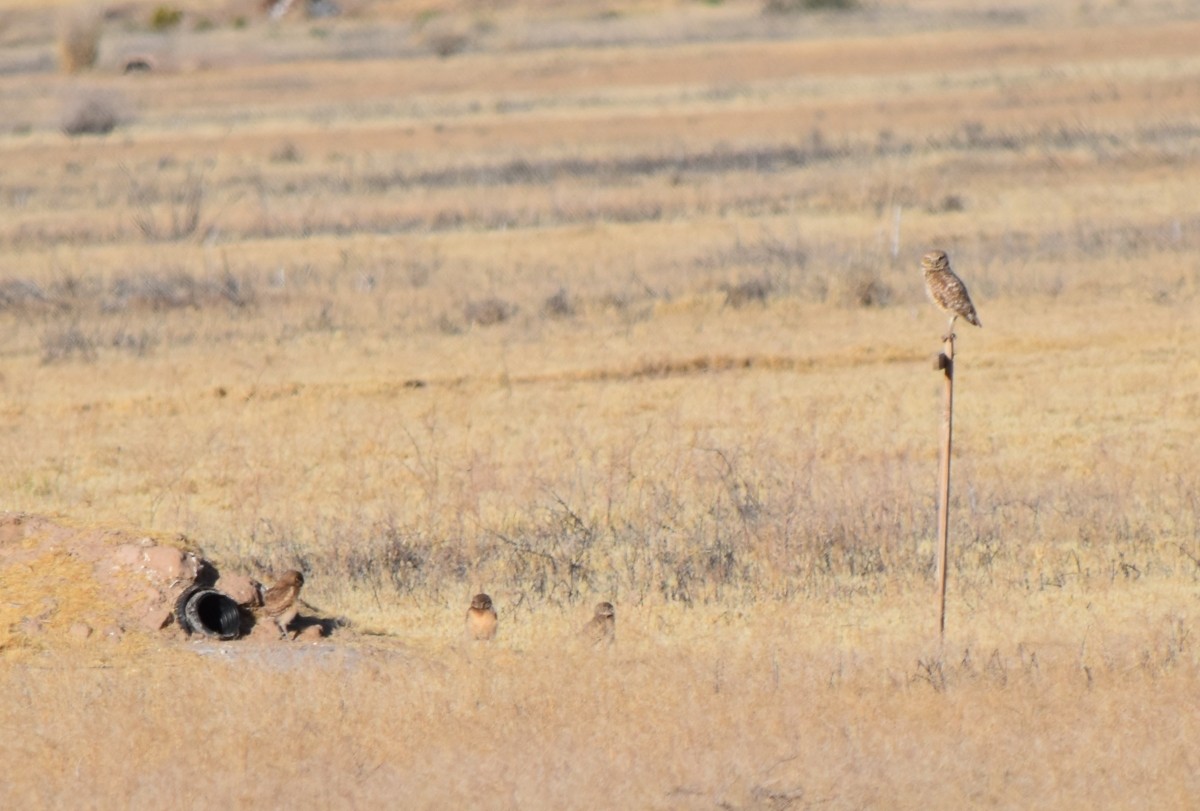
(67, 343)
(184, 204)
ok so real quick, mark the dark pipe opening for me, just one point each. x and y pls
(209, 612)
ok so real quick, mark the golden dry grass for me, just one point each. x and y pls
(617, 302)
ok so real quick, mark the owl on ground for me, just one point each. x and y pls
(947, 290)
(481, 618)
(279, 601)
(601, 629)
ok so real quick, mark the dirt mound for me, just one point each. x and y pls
(61, 582)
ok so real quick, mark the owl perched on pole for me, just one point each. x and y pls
(946, 290)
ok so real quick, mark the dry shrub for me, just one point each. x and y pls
(792, 6)
(949, 203)
(174, 290)
(559, 305)
(784, 254)
(184, 206)
(447, 42)
(78, 39)
(748, 291)
(862, 287)
(139, 343)
(66, 344)
(25, 296)
(447, 325)
(92, 113)
(287, 152)
(489, 311)
(156, 290)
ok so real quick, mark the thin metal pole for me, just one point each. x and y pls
(945, 362)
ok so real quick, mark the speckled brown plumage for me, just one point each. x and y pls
(601, 629)
(279, 601)
(946, 290)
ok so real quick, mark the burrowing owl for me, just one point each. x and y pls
(481, 618)
(279, 601)
(947, 290)
(601, 628)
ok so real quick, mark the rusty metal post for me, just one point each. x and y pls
(945, 364)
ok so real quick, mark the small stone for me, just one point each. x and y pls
(165, 561)
(241, 589)
(80, 630)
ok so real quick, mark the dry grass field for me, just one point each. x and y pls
(582, 301)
